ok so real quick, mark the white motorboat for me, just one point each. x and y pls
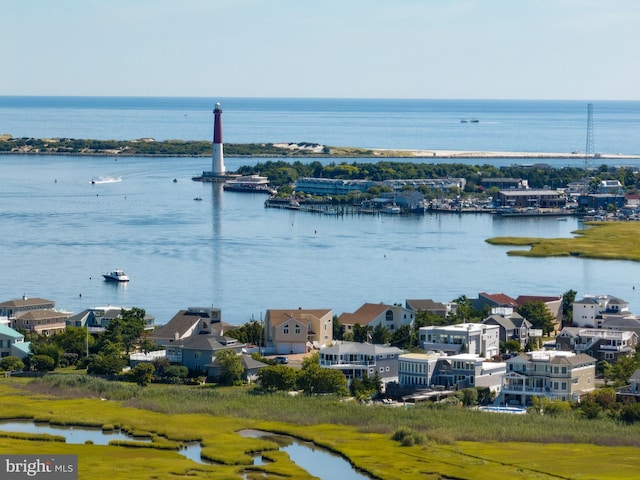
(116, 276)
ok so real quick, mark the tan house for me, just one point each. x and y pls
(374, 314)
(553, 374)
(34, 315)
(298, 331)
(43, 322)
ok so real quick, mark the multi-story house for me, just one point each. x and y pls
(297, 330)
(356, 360)
(429, 306)
(512, 325)
(429, 370)
(374, 314)
(191, 322)
(474, 338)
(593, 310)
(35, 315)
(553, 374)
(96, 319)
(603, 345)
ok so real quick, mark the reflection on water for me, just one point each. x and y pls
(319, 462)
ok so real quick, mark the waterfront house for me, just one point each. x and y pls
(297, 330)
(512, 325)
(12, 342)
(592, 310)
(504, 183)
(35, 315)
(355, 360)
(418, 371)
(96, 319)
(631, 392)
(556, 375)
(475, 338)
(374, 314)
(13, 308)
(531, 198)
(190, 322)
(494, 300)
(603, 345)
(429, 306)
(624, 324)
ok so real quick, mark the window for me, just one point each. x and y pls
(389, 316)
(286, 329)
(297, 329)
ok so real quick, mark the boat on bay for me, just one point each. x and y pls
(116, 275)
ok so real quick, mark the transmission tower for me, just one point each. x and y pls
(589, 153)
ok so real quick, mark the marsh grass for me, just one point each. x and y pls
(605, 240)
(458, 443)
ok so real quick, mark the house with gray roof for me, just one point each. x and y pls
(592, 310)
(513, 326)
(429, 306)
(355, 360)
(198, 352)
(250, 366)
(190, 322)
(602, 344)
(96, 319)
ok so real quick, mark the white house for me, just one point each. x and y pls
(475, 338)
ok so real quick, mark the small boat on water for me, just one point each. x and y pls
(116, 276)
(198, 199)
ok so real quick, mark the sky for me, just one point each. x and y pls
(432, 49)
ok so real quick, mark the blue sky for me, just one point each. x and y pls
(485, 49)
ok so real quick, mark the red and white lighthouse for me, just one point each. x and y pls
(217, 157)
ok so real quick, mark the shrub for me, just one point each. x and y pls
(408, 437)
(11, 364)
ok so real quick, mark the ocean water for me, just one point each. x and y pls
(59, 232)
(507, 125)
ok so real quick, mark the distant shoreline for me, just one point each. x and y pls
(148, 147)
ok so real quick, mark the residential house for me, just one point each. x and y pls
(190, 322)
(34, 315)
(494, 300)
(624, 324)
(513, 326)
(13, 308)
(429, 306)
(356, 360)
(430, 370)
(374, 314)
(43, 322)
(12, 342)
(197, 352)
(250, 368)
(603, 345)
(474, 338)
(96, 319)
(556, 375)
(631, 392)
(593, 310)
(553, 304)
(298, 330)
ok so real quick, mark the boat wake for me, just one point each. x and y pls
(106, 180)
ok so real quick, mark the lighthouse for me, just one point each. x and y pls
(217, 156)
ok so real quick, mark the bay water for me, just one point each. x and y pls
(59, 232)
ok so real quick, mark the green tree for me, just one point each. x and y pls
(403, 337)
(11, 364)
(337, 329)
(361, 334)
(107, 364)
(277, 378)
(366, 387)
(314, 379)
(142, 374)
(230, 369)
(74, 340)
(468, 396)
(568, 298)
(538, 314)
(511, 346)
(42, 363)
(126, 328)
(381, 335)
